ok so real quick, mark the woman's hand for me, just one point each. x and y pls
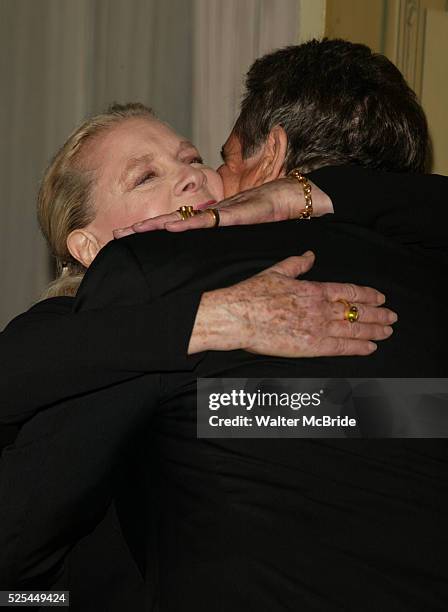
(275, 201)
(272, 313)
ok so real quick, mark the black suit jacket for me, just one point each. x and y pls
(300, 524)
(203, 269)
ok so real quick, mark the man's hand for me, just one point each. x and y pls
(275, 201)
(274, 314)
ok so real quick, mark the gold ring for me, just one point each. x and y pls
(351, 312)
(186, 212)
(215, 214)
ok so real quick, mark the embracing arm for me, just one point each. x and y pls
(51, 353)
(112, 332)
(117, 331)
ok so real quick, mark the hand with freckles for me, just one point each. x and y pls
(273, 313)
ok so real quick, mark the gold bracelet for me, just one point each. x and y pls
(308, 210)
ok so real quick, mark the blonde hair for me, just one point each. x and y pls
(65, 199)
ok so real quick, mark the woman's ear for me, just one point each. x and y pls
(83, 246)
(272, 162)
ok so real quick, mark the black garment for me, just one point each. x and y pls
(300, 524)
(267, 244)
(56, 351)
(56, 484)
(50, 353)
(65, 465)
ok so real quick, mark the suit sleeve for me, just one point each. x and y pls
(114, 331)
(59, 477)
(410, 208)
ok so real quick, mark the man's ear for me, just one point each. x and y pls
(83, 246)
(273, 157)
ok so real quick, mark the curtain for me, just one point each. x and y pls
(141, 52)
(42, 80)
(229, 36)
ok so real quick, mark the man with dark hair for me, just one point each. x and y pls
(310, 524)
(256, 523)
(339, 103)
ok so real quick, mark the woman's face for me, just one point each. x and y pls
(144, 169)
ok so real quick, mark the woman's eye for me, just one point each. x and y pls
(197, 160)
(144, 178)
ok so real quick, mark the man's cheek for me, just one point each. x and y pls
(248, 180)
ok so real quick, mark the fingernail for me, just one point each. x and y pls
(372, 346)
(381, 298)
(136, 225)
(387, 330)
(308, 254)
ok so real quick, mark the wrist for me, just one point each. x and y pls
(221, 324)
(294, 199)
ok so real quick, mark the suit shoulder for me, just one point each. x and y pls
(114, 276)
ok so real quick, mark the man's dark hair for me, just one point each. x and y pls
(339, 103)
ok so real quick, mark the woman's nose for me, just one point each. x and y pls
(191, 180)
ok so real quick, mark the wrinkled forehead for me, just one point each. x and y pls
(138, 132)
(132, 137)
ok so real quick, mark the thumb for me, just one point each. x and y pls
(293, 266)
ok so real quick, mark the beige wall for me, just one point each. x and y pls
(434, 93)
(356, 20)
(414, 35)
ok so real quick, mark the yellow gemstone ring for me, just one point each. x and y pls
(351, 312)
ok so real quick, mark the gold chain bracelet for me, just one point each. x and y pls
(308, 210)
